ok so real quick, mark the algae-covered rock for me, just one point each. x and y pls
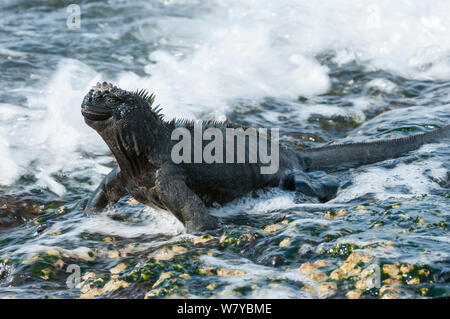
(362, 284)
(309, 289)
(413, 281)
(337, 274)
(424, 272)
(310, 270)
(391, 281)
(331, 214)
(155, 293)
(203, 239)
(229, 272)
(353, 294)
(166, 253)
(358, 257)
(91, 293)
(184, 276)
(362, 209)
(392, 270)
(389, 291)
(321, 263)
(326, 287)
(211, 286)
(162, 277)
(318, 276)
(110, 286)
(307, 268)
(206, 271)
(272, 228)
(118, 268)
(351, 267)
(342, 250)
(390, 295)
(285, 242)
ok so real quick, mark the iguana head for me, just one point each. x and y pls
(105, 104)
(125, 120)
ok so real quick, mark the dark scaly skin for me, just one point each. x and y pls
(355, 154)
(141, 142)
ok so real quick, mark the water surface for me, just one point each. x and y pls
(334, 71)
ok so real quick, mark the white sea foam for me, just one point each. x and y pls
(251, 49)
(9, 169)
(254, 273)
(404, 180)
(270, 200)
(50, 134)
(382, 84)
(71, 231)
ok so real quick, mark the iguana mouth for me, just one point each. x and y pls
(94, 115)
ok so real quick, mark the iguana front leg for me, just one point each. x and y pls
(110, 190)
(172, 191)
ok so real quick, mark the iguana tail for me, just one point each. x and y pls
(341, 156)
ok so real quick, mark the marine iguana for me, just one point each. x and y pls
(140, 140)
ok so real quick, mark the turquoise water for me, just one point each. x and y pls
(335, 71)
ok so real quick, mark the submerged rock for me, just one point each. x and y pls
(229, 272)
(354, 294)
(166, 253)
